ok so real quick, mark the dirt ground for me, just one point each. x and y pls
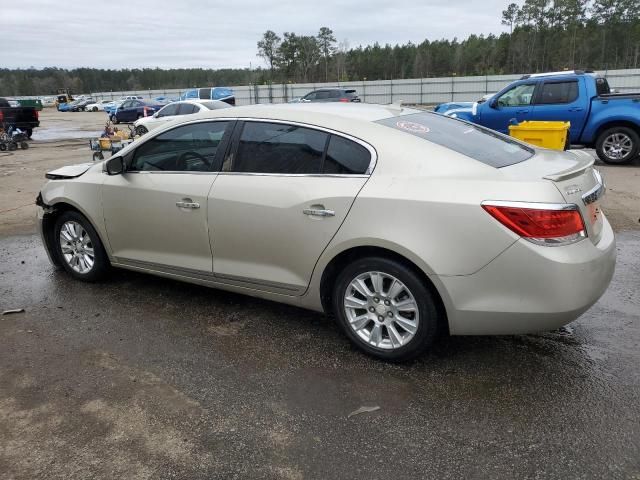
(63, 140)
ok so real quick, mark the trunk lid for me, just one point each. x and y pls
(573, 174)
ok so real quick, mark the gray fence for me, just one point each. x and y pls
(426, 91)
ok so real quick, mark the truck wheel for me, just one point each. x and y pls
(617, 145)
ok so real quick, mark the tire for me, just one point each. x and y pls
(3, 147)
(24, 145)
(421, 327)
(98, 156)
(617, 145)
(13, 146)
(94, 109)
(74, 224)
(114, 119)
(141, 130)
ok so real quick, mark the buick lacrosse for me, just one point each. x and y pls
(403, 224)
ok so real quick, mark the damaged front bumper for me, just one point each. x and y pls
(44, 223)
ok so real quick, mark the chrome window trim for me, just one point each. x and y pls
(531, 205)
(372, 163)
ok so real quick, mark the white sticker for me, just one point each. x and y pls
(413, 127)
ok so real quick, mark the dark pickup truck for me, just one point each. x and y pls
(24, 118)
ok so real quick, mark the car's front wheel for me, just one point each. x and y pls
(385, 309)
(79, 247)
(618, 145)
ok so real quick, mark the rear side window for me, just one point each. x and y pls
(346, 157)
(278, 148)
(476, 142)
(334, 94)
(189, 148)
(205, 94)
(558, 92)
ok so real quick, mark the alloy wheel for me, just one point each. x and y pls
(76, 247)
(617, 146)
(381, 310)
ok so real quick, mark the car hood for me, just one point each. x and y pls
(70, 171)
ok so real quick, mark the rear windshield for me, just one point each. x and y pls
(477, 142)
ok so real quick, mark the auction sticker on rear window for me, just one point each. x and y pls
(413, 127)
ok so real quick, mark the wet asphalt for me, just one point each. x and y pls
(143, 377)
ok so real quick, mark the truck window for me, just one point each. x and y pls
(558, 92)
(518, 95)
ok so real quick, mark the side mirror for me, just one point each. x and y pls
(493, 103)
(155, 115)
(115, 166)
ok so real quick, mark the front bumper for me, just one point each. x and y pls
(531, 288)
(44, 230)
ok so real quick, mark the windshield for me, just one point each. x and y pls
(477, 142)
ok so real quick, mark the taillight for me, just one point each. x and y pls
(1, 116)
(541, 223)
(344, 100)
(37, 115)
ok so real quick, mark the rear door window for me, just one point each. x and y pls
(476, 142)
(557, 92)
(322, 95)
(205, 94)
(279, 149)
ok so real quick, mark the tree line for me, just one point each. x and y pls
(543, 35)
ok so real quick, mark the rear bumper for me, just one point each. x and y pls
(531, 288)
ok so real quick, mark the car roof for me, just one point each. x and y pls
(302, 112)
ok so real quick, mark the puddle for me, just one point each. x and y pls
(63, 133)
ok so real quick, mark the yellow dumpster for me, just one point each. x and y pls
(542, 134)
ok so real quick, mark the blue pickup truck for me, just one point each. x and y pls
(608, 122)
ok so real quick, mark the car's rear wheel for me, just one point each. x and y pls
(79, 248)
(385, 309)
(141, 130)
(95, 109)
(618, 145)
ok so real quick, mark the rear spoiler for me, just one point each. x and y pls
(584, 161)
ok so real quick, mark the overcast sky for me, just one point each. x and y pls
(214, 34)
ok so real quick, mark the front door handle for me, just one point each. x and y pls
(576, 109)
(187, 203)
(318, 212)
(522, 111)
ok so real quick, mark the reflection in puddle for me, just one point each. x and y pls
(62, 133)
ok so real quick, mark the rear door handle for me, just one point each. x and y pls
(187, 203)
(576, 109)
(522, 111)
(317, 212)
